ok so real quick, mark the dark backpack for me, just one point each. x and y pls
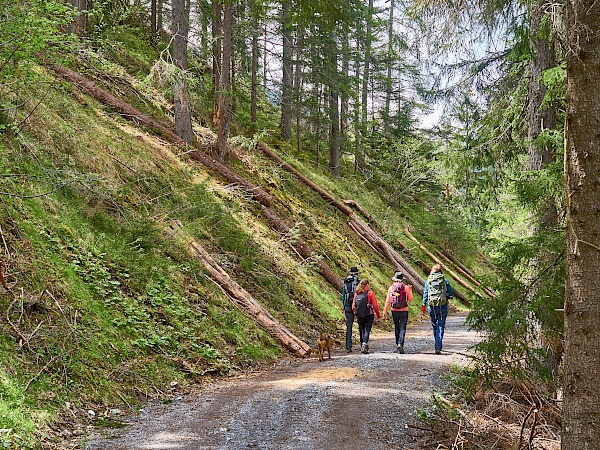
(362, 307)
(350, 283)
(398, 296)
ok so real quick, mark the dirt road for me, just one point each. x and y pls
(353, 401)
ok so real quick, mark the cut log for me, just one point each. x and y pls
(131, 113)
(239, 297)
(303, 249)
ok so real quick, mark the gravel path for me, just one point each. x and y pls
(353, 401)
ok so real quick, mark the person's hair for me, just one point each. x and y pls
(362, 286)
(436, 268)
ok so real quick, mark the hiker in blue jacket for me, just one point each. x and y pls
(436, 294)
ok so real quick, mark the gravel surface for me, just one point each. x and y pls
(352, 401)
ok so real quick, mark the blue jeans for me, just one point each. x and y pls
(349, 322)
(438, 315)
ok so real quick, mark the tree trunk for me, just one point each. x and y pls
(298, 88)
(581, 415)
(334, 112)
(217, 32)
(345, 99)
(286, 93)
(240, 297)
(224, 97)
(541, 119)
(153, 21)
(388, 80)
(254, 75)
(181, 107)
(367, 66)
(79, 24)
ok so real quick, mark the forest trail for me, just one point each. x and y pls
(353, 401)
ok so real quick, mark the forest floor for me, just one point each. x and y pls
(351, 401)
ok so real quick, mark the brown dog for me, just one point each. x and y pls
(322, 344)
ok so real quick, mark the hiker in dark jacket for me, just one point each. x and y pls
(365, 308)
(348, 290)
(436, 294)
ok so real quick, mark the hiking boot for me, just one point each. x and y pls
(401, 349)
(362, 348)
(348, 350)
(366, 348)
(438, 352)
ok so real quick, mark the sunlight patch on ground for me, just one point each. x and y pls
(317, 376)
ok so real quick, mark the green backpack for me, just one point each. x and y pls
(437, 294)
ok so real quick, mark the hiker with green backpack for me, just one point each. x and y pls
(436, 294)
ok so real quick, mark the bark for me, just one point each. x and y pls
(217, 33)
(581, 415)
(254, 75)
(298, 89)
(541, 119)
(79, 24)
(303, 249)
(240, 297)
(345, 99)
(153, 21)
(138, 117)
(334, 112)
(225, 83)
(388, 80)
(181, 107)
(286, 94)
(363, 211)
(367, 66)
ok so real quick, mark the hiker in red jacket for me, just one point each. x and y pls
(365, 308)
(398, 297)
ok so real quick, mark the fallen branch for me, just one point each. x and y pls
(240, 297)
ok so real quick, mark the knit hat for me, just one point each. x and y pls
(398, 276)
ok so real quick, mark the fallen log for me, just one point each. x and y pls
(239, 297)
(437, 260)
(131, 113)
(326, 195)
(363, 211)
(303, 249)
(468, 276)
(365, 231)
(424, 267)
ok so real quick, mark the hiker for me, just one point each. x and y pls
(436, 294)
(365, 307)
(398, 296)
(348, 290)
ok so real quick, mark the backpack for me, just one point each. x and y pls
(398, 296)
(350, 283)
(438, 292)
(362, 307)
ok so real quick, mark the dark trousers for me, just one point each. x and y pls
(364, 328)
(349, 322)
(400, 321)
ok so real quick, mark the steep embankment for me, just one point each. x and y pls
(104, 307)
